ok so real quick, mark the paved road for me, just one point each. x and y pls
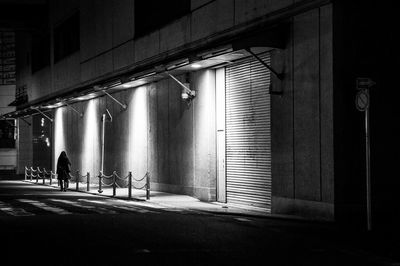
(39, 224)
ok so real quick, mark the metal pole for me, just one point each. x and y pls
(44, 176)
(147, 186)
(114, 183)
(100, 191)
(88, 181)
(278, 75)
(115, 100)
(102, 142)
(368, 169)
(25, 121)
(77, 180)
(76, 111)
(180, 83)
(26, 174)
(49, 118)
(130, 185)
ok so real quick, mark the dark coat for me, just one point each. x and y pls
(63, 164)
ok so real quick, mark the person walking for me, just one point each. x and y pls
(63, 170)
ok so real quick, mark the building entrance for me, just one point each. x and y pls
(248, 134)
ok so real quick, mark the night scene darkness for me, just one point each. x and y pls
(199, 132)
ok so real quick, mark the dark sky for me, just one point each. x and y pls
(22, 14)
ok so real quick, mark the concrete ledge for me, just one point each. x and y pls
(202, 193)
(313, 210)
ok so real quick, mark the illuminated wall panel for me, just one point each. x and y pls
(59, 134)
(90, 155)
(138, 120)
(117, 155)
(205, 135)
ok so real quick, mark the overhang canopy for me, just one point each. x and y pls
(216, 56)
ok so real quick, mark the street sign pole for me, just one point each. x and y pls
(368, 169)
(363, 104)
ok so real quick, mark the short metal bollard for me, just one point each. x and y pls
(100, 176)
(87, 181)
(114, 183)
(77, 180)
(130, 185)
(147, 186)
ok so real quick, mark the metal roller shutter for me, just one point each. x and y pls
(248, 134)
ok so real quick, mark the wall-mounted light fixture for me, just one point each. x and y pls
(111, 84)
(216, 52)
(187, 94)
(176, 64)
(195, 65)
(144, 75)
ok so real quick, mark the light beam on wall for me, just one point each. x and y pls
(90, 149)
(59, 135)
(138, 131)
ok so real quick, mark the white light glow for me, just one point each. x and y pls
(127, 85)
(90, 150)
(59, 135)
(138, 132)
(195, 65)
(86, 97)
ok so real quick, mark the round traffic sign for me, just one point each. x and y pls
(362, 100)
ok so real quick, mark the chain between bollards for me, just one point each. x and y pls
(30, 174)
(43, 176)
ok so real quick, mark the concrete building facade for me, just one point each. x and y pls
(174, 141)
(291, 110)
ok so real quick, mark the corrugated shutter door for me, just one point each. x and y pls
(248, 134)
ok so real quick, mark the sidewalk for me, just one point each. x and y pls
(163, 199)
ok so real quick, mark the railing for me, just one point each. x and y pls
(113, 179)
(78, 177)
(39, 174)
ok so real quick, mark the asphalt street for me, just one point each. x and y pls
(40, 224)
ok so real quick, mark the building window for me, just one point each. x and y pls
(7, 131)
(151, 15)
(66, 38)
(40, 51)
(7, 58)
